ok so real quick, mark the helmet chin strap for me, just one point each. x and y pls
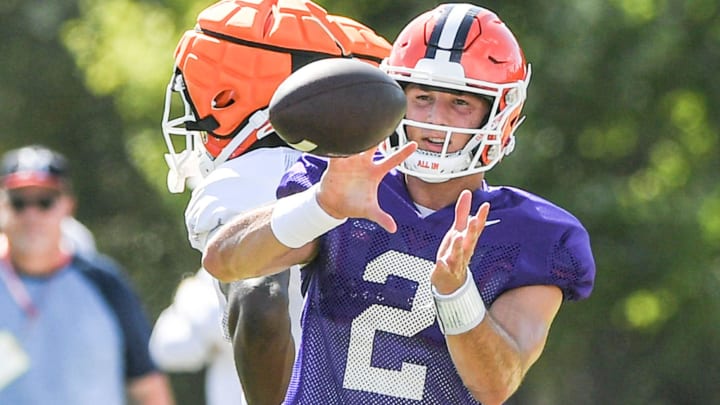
(434, 180)
(431, 163)
(257, 120)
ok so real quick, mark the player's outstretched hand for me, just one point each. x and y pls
(349, 186)
(458, 245)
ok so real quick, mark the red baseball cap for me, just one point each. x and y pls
(34, 166)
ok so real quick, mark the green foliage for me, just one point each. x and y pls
(46, 97)
(621, 131)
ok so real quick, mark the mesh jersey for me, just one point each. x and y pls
(369, 333)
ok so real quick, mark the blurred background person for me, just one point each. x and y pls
(73, 325)
(188, 337)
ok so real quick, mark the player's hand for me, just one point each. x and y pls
(458, 246)
(349, 186)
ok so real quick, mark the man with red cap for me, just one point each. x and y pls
(72, 330)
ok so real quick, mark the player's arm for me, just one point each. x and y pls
(246, 247)
(492, 349)
(493, 358)
(284, 233)
(258, 322)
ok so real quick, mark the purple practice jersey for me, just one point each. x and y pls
(369, 329)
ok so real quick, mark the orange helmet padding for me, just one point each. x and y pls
(358, 40)
(240, 52)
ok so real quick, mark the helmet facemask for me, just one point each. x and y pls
(487, 145)
(183, 164)
(194, 161)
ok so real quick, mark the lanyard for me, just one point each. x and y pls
(17, 288)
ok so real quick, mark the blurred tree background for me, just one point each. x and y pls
(622, 130)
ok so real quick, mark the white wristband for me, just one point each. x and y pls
(460, 311)
(298, 219)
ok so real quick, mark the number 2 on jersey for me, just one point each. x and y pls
(409, 381)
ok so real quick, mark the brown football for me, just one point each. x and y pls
(336, 107)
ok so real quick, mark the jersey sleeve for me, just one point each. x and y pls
(531, 241)
(117, 291)
(556, 252)
(571, 264)
(302, 175)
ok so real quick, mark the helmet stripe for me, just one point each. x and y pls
(449, 35)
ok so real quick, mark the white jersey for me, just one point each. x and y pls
(187, 337)
(234, 187)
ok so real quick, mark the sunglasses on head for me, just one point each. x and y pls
(43, 203)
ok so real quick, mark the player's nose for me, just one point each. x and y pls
(438, 113)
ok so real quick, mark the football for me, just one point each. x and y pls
(336, 107)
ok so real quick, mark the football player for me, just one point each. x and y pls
(226, 70)
(427, 284)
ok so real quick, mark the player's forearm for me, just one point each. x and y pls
(247, 247)
(488, 360)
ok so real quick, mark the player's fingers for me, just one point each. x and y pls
(397, 157)
(340, 166)
(368, 154)
(438, 275)
(450, 268)
(451, 253)
(483, 211)
(441, 266)
(445, 243)
(462, 210)
(476, 224)
(459, 260)
(472, 235)
(385, 220)
(481, 216)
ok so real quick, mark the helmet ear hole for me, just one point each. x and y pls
(224, 99)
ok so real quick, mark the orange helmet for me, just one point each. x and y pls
(228, 67)
(467, 48)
